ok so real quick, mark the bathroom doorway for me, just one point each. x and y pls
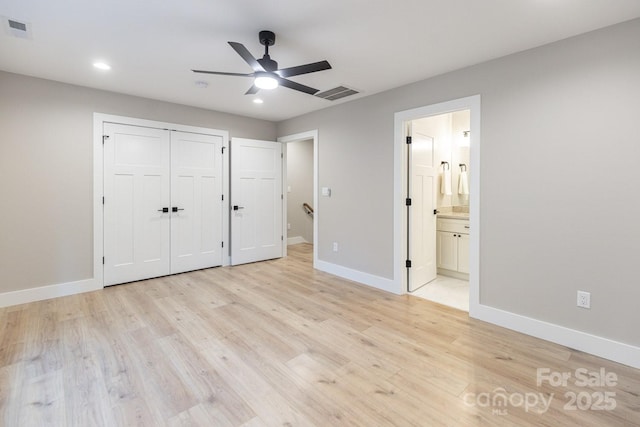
(439, 223)
(438, 231)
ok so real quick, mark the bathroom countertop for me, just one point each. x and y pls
(454, 215)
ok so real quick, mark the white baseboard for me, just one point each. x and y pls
(46, 292)
(358, 276)
(625, 354)
(454, 274)
(295, 240)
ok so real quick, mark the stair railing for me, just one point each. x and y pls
(307, 209)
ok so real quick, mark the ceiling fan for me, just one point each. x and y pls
(265, 70)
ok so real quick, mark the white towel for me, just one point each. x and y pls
(445, 183)
(463, 183)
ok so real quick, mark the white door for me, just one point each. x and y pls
(422, 219)
(256, 200)
(196, 201)
(136, 190)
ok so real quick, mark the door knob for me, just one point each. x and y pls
(176, 209)
(163, 210)
(236, 207)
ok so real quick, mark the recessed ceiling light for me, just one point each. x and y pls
(102, 66)
(258, 101)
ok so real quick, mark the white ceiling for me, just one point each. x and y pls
(373, 45)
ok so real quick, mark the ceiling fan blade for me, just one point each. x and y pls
(304, 69)
(297, 86)
(252, 90)
(246, 55)
(222, 74)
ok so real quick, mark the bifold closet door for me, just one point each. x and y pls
(136, 193)
(196, 201)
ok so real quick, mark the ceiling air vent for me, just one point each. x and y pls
(16, 28)
(336, 93)
(17, 25)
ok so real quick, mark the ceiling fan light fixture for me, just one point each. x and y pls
(265, 81)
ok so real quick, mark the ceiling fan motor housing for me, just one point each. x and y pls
(268, 64)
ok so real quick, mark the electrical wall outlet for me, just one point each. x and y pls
(335, 246)
(288, 226)
(584, 299)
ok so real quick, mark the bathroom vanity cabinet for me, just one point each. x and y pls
(453, 247)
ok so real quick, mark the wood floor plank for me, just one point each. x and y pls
(205, 383)
(277, 343)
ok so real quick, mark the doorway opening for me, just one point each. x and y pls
(300, 189)
(438, 218)
(300, 211)
(437, 182)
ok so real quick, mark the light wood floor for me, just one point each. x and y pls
(276, 343)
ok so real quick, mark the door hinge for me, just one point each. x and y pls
(282, 155)
(104, 137)
(435, 211)
(282, 197)
(408, 140)
(223, 197)
(282, 238)
(222, 244)
(407, 201)
(103, 200)
(223, 150)
(407, 263)
(102, 260)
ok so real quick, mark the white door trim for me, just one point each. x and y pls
(98, 219)
(399, 172)
(302, 136)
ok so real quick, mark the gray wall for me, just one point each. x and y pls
(559, 170)
(300, 181)
(46, 173)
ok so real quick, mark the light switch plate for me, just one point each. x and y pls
(326, 191)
